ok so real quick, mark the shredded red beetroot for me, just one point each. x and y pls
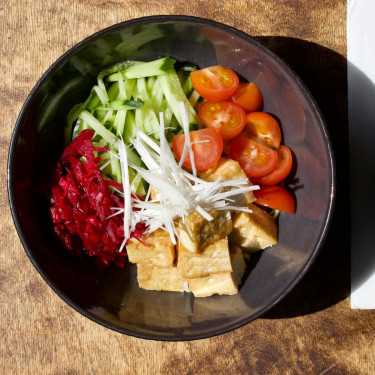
(81, 203)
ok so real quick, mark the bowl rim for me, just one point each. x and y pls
(292, 75)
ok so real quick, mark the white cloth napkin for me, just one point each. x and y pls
(361, 101)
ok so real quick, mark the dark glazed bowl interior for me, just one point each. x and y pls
(112, 297)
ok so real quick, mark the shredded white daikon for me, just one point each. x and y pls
(127, 192)
(180, 192)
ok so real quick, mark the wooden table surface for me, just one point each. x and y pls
(313, 331)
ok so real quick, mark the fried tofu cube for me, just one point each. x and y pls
(253, 231)
(154, 194)
(238, 263)
(160, 278)
(218, 283)
(222, 282)
(160, 251)
(197, 232)
(228, 169)
(213, 259)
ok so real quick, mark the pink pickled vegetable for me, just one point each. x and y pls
(81, 203)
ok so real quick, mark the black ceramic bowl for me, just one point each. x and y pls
(112, 297)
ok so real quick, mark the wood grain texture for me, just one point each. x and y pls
(312, 332)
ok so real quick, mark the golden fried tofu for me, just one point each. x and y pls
(154, 194)
(218, 283)
(238, 263)
(160, 278)
(228, 169)
(221, 282)
(213, 259)
(159, 252)
(197, 232)
(253, 231)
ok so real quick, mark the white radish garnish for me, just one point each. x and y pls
(180, 192)
(127, 191)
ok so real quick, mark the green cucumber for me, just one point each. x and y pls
(129, 84)
(99, 128)
(150, 121)
(137, 186)
(114, 77)
(121, 86)
(119, 105)
(130, 128)
(187, 88)
(193, 98)
(102, 94)
(116, 167)
(150, 82)
(114, 91)
(148, 69)
(112, 70)
(157, 97)
(119, 122)
(92, 101)
(174, 94)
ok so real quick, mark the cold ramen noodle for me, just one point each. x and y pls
(176, 170)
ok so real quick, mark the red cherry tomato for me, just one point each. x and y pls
(215, 83)
(206, 153)
(254, 158)
(227, 117)
(226, 147)
(264, 127)
(248, 96)
(281, 171)
(275, 197)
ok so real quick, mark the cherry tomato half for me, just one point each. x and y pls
(281, 171)
(275, 197)
(226, 147)
(227, 117)
(255, 159)
(215, 82)
(207, 151)
(248, 96)
(264, 127)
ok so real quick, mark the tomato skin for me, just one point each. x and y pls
(214, 83)
(226, 147)
(248, 96)
(255, 159)
(206, 154)
(281, 171)
(227, 117)
(264, 127)
(275, 197)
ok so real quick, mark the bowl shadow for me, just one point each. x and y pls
(324, 72)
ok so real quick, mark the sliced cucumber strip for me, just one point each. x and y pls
(174, 94)
(130, 127)
(113, 91)
(116, 168)
(194, 97)
(151, 68)
(99, 128)
(119, 123)
(119, 105)
(112, 70)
